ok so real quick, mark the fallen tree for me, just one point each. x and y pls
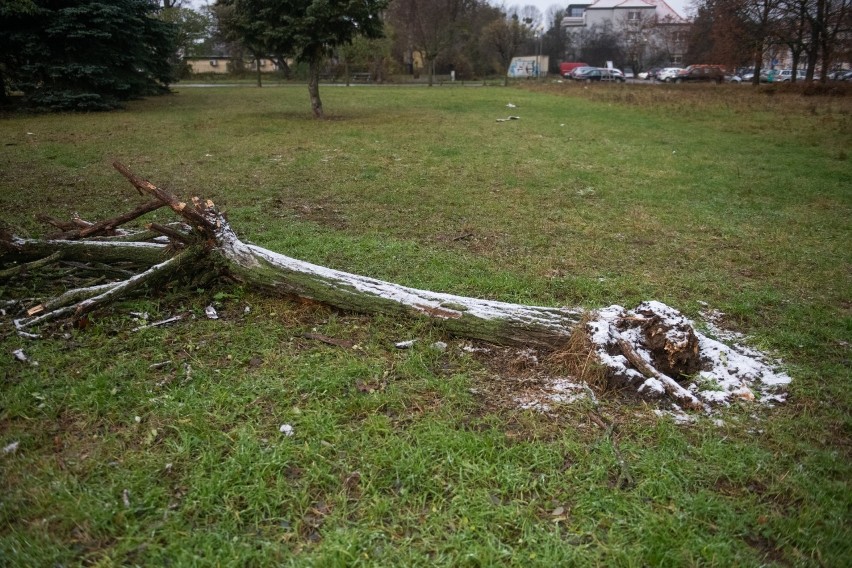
(653, 350)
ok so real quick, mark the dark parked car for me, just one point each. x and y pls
(590, 74)
(700, 73)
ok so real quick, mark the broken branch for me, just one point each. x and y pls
(101, 227)
(27, 266)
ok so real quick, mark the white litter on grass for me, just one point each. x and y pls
(11, 448)
(468, 348)
(405, 344)
(439, 346)
(507, 119)
(20, 355)
(556, 391)
(510, 105)
(210, 312)
(286, 429)
(676, 414)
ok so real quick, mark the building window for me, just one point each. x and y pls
(677, 59)
(576, 13)
(633, 16)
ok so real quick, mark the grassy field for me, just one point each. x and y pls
(726, 197)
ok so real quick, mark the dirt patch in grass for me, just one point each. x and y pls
(518, 379)
(767, 548)
(476, 241)
(323, 212)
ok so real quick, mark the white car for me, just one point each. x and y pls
(668, 74)
(786, 75)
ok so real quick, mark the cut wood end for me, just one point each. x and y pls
(181, 206)
(35, 310)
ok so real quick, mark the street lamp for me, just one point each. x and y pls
(539, 33)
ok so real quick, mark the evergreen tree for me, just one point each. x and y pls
(84, 54)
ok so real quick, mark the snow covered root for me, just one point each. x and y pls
(656, 351)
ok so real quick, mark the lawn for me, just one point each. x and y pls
(722, 198)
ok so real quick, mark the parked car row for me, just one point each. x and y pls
(841, 75)
(579, 71)
(589, 74)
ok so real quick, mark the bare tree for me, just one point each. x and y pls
(505, 36)
(831, 25)
(636, 37)
(430, 27)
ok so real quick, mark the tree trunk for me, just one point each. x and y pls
(313, 83)
(758, 63)
(649, 349)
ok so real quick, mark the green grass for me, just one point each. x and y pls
(596, 196)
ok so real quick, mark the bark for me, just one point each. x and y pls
(313, 84)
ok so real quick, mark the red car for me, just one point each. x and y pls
(700, 73)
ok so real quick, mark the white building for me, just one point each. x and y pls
(638, 33)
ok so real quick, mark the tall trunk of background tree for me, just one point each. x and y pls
(758, 65)
(313, 82)
(431, 71)
(257, 63)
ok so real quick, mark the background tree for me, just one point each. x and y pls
(430, 27)
(701, 42)
(191, 29)
(793, 32)
(85, 54)
(760, 21)
(13, 14)
(598, 45)
(244, 31)
(635, 38)
(554, 40)
(309, 30)
(372, 55)
(505, 36)
(831, 30)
